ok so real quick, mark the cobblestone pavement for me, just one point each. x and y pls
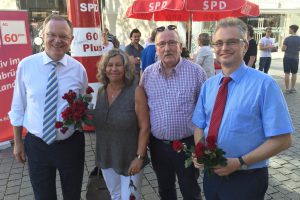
(284, 182)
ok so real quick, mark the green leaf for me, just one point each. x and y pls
(87, 120)
(188, 162)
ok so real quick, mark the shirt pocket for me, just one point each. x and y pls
(185, 100)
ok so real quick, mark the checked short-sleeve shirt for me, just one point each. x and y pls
(172, 99)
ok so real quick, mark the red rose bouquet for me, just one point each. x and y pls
(76, 112)
(206, 153)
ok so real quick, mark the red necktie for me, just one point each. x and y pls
(219, 108)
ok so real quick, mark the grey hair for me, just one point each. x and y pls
(101, 66)
(57, 18)
(233, 22)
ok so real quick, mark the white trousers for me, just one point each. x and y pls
(118, 185)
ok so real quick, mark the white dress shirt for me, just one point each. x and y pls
(27, 107)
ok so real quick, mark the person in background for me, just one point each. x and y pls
(111, 38)
(253, 125)
(121, 120)
(134, 50)
(291, 48)
(47, 148)
(205, 56)
(250, 55)
(172, 85)
(148, 55)
(106, 45)
(266, 44)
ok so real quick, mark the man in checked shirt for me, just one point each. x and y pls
(172, 85)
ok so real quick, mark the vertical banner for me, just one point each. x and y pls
(86, 45)
(14, 46)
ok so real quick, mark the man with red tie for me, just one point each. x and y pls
(246, 111)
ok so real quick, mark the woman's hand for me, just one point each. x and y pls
(135, 166)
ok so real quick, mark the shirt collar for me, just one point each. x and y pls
(175, 69)
(47, 59)
(238, 74)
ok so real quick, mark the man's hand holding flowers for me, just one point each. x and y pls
(205, 155)
(76, 112)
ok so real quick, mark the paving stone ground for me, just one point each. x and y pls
(284, 170)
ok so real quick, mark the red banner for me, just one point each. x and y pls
(14, 46)
(86, 46)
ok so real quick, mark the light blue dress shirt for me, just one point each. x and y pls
(255, 110)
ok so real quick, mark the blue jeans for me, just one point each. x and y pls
(264, 64)
(65, 156)
(167, 163)
(240, 185)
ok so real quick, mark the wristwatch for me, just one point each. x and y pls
(243, 165)
(139, 157)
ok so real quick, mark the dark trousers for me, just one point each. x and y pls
(240, 185)
(264, 64)
(167, 163)
(65, 156)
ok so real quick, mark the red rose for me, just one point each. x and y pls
(89, 90)
(77, 117)
(58, 124)
(199, 149)
(65, 96)
(132, 197)
(177, 146)
(63, 129)
(67, 113)
(70, 100)
(211, 143)
(73, 95)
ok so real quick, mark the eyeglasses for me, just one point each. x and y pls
(53, 36)
(171, 43)
(162, 28)
(229, 43)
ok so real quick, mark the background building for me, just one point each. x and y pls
(278, 14)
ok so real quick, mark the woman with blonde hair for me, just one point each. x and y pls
(121, 120)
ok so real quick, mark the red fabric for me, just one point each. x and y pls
(219, 108)
(184, 10)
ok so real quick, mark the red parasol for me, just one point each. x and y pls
(197, 10)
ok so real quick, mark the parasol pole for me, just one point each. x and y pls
(189, 35)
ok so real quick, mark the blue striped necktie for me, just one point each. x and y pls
(49, 130)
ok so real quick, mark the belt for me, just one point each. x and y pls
(249, 171)
(57, 141)
(170, 142)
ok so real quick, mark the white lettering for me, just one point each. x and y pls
(205, 5)
(89, 7)
(164, 4)
(3, 64)
(83, 7)
(157, 5)
(6, 75)
(222, 5)
(151, 8)
(14, 61)
(7, 86)
(213, 4)
(219, 5)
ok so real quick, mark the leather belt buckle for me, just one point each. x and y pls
(167, 142)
